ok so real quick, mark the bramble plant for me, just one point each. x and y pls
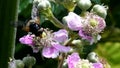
(75, 31)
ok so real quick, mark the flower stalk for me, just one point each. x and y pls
(8, 32)
(63, 55)
(60, 64)
(48, 13)
(56, 22)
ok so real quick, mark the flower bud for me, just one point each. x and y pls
(84, 4)
(29, 61)
(15, 64)
(44, 5)
(19, 64)
(69, 4)
(35, 1)
(100, 10)
(85, 64)
(76, 42)
(92, 57)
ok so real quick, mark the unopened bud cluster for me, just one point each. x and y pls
(42, 4)
(28, 61)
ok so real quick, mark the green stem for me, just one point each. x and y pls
(30, 67)
(63, 55)
(48, 13)
(70, 7)
(56, 22)
(8, 14)
(83, 13)
(113, 22)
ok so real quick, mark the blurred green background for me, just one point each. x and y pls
(107, 48)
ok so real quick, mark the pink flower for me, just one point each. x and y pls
(92, 26)
(28, 39)
(98, 65)
(85, 35)
(35, 49)
(72, 60)
(53, 44)
(61, 35)
(73, 21)
(54, 50)
(50, 52)
(89, 26)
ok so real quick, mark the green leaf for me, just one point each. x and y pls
(96, 1)
(19, 47)
(110, 51)
(24, 4)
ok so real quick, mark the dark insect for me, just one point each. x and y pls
(33, 25)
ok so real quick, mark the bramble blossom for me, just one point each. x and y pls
(51, 43)
(27, 39)
(97, 65)
(54, 50)
(61, 35)
(73, 21)
(89, 26)
(74, 61)
(92, 26)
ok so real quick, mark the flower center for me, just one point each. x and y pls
(93, 22)
(46, 39)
